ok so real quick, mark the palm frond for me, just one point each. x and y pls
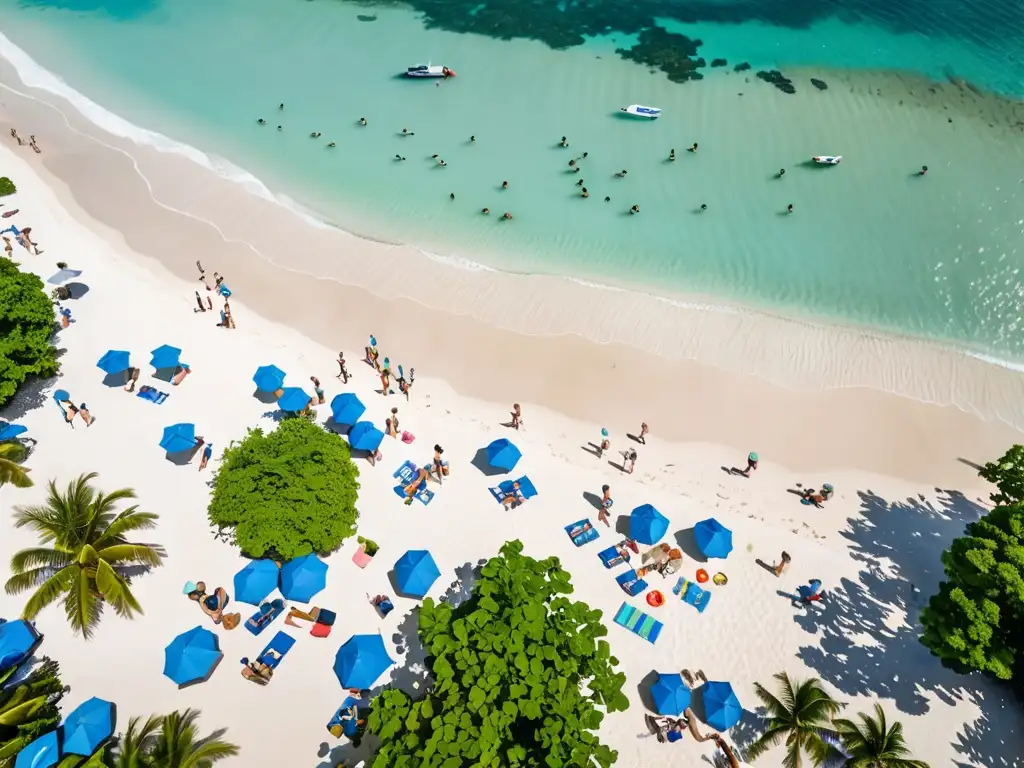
(48, 589)
(82, 604)
(772, 737)
(12, 473)
(114, 589)
(775, 707)
(146, 554)
(126, 522)
(38, 557)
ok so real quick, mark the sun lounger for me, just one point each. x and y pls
(147, 392)
(282, 643)
(631, 584)
(406, 474)
(265, 616)
(582, 537)
(638, 622)
(611, 557)
(526, 489)
(691, 593)
(347, 727)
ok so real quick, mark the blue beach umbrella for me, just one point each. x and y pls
(11, 431)
(268, 378)
(257, 580)
(178, 438)
(192, 656)
(722, 710)
(44, 752)
(361, 660)
(415, 572)
(114, 361)
(346, 408)
(17, 638)
(713, 538)
(670, 695)
(293, 399)
(165, 356)
(647, 525)
(91, 724)
(503, 454)
(303, 577)
(364, 436)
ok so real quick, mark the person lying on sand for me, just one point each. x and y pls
(411, 488)
(212, 605)
(69, 412)
(513, 498)
(183, 371)
(295, 613)
(258, 671)
(667, 729)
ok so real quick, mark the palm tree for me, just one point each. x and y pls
(170, 741)
(872, 743)
(802, 717)
(11, 471)
(134, 746)
(88, 561)
(29, 709)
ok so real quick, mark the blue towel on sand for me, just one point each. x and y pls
(583, 537)
(151, 394)
(526, 489)
(281, 643)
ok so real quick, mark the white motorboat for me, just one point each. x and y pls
(828, 159)
(429, 70)
(638, 110)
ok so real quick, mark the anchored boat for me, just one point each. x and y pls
(638, 110)
(828, 159)
(429, 70)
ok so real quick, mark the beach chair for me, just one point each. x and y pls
(526, 489)
(631, 584)
(151, 394)
(581, 537)
(638, 622)
(265, 616)
(611, 557)
(406, 474)
(692, 594)
(282, 643)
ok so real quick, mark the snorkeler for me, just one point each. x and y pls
(451, 196)
(261, 121)
(781, 173)
(579, 183)
(399, 157)
(622, 173)
(407, 132)
(332, 144)
(472, 138)
(694, 147)
(923, 171)
(585, 193)
(504, 185)
(280, 107)
(789, 208)
(607, 199)
(703, 206)
(506, 216)
(486, 211)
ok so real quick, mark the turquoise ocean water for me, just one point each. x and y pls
(869, 243)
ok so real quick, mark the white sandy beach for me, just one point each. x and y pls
(872, 545)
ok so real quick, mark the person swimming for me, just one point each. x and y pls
(451, 196)
(280, 106)
(579, 183)
(485, 211)
(472, 138)
(703, 206)
(504, 185)
(314, 135)
(362, 121)
(280, 128)
(563, 142)
(781, 173)
(399, 157)
(333, 144)
(672, 155)
(407, 132)
(576, 169)
(441, 162)
(789, 208)
(923, 171)
(621, 174)
(585, 193)
(506, 216)
(607, 199)
(693, 148)
(572, 163)
(261, 121)
(635, 209)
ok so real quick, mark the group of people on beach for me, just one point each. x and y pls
(227, 320)
(21, 142)
(384, 370)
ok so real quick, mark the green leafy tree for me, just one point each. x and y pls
(799, 716)
(11, 471)
(287, 493)
(974, 622)
(29, 709)
(520, 672)
(1007, 475)
(169, 741)
(26, 330)
(84, 557)
(871, 742)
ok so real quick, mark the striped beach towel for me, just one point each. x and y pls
(638, 622)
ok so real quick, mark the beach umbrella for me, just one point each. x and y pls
(165, 356)
(11, 431)
(192, 656)
(293, 399)
(722, 710)
(670, 695)
(17, 638)
(44, 752)
(257, 580)
(303, 577)
(346, 408)
(91, 724)
(415, 572)
(268, 378)
(364, 436)
(178, 438)
(361, 660)
(114, 361)
(63, 276)
(647, 525)
(713, 538)
(503, 454)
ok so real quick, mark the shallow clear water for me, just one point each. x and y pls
(869, 242)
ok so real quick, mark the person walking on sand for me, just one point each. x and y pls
(440, 466)
(517, 416)
(605, 443)
(385, 382)
(83, 411)
(207, 453)
(342, 368)
(69, 412)
(751, 464)
(199, 302)
(644, 429)
(318, 390)
(629, 460)
(229, 321)
(133, 378)
(780, 566)
(394, 422)
(606, 504)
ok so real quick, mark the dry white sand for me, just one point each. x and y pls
(876, 546)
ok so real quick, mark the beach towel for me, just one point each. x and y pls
(324, 622)
(638, 622)
(147, 392)
(631, 584)
(348, 727)
(611, 557)
(692, 594)
(281, 643)
(361, 559)
(265, 616)
(582, 537)
(526, 489)
(406, 474)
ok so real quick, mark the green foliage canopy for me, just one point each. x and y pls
(7, 186)
(26, 330)
(29, 709)
(287, 493)
(520, 671)
(1007, 475)
(975, 621)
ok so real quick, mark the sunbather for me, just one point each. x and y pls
(413, 487)
(513, 498)
(691, 723)
(179, 377)
(69, 411)
(256, 671)
(439, 465)
(212, 605)
(133, 377)
(294, 613)
(667, 728)
(383, 604)
(663, 559)
(579, 530)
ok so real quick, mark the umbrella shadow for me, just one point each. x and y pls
(644, 689)
(267, 398)
(76, 290)
(117, 379)
(481, 462)
(336, 427)
(209, 674)
(393, 581)
(687, 542)
(276, 415)
(165, 374)
(622, 525)
(182, 458)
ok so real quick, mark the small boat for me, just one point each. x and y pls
(638, 110)
(828, 159)
(429, 70)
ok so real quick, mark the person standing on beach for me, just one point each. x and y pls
(317, 389)
(605, 443)
(643, 433)
(133, 377)
(606, 504)
(342, 369)
(207, 453)
(86, 416)
(385, 382)
(439, 464)
(781, 565)
(751, 464)
(517, 416)
(629, 460)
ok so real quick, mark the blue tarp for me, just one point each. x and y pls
(293, 399)
(303, 577)
(16, 640)
(361, 660)
(114, 361)
(722, 710)
(44, 752)
(165, 356)
(346, 408)
(178, 438)
(713, 538)
(670, 694)
(365, 437)
(91, 724)
(502, 454)
(192, 656)
(647, 525)
(257, 580)
(268, 378)
(415, 572)
(11, 431)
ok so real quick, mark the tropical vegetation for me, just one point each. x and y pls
(870, 742)
(168, 741)
(1007, 475)
(11, 471)
(7, 186)
(286, 493)
(84, 557)
(520, 673)
(28, 709)
(26, 330)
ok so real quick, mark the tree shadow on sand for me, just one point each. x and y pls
(867, 633)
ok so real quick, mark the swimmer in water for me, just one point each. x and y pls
(607, 199)
(472, 138)
(585, 193)
(280, 128)
(579, 183)
(451, 196)
(332, 144)
(635, 209)
(362, 121)
(782, 172)
(563, 142)
(407, 132)
(399, 157)
(576, 169)
(694, 147)
(621, 173)
(261, 121)
(506, 216)
(584, 156)
(314, 135)
(672, 155)
(923, 171)
(441, 162)
(485, 211)
(572, 163)
(504, 185)
(703, 206)
(280, 106)
(789, 208)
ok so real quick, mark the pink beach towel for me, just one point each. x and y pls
(408, 437)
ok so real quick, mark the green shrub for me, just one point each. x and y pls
(26, 330)
(287, 493)
(369, 546)
(520, 671)
(7, 187)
